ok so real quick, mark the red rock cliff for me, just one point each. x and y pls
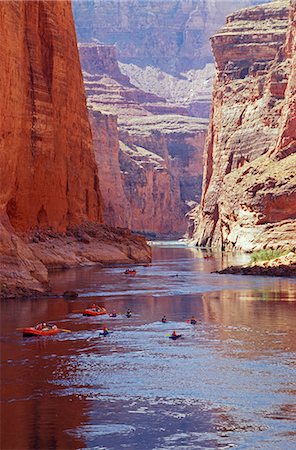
(48, 177)
(249, 190)
(48, 170)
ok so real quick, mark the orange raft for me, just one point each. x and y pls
(32, 331)
(131, 272)
(94, 312)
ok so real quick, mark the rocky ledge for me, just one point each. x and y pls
(27, 258)
(88, 244)
(284, 266)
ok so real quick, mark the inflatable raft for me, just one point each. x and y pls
(32, 331)
(94, 312)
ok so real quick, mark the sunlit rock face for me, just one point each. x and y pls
(48, 170)
(152, 165)
(48, 178)
(249, 187)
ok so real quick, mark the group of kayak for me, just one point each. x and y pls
(174, 335)
(48, 329)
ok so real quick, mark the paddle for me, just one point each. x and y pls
(66, 331)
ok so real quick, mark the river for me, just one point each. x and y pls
(228, 382)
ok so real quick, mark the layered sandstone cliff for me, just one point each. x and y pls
(163, 46)
(48, 171)
(48, 174)
(249, 188)
(154, 163)
(172, 35)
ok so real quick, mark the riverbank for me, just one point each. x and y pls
(27, 258)
(283, 266)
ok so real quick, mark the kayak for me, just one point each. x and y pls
(31, 331)
(94, 312)
(175, 337)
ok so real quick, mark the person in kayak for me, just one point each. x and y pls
(164, 319)
(113, 314)
(128, 313)
(193, 320)
(105, 331)
(174, 334)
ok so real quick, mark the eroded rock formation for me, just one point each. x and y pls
(154, 165)
(163, 46)
(48, 174)
(172, 35)
(249, 190)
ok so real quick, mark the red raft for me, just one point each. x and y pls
(94, 312)
(131, 272)
(32, 331)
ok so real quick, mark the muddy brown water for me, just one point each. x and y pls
(229, 382)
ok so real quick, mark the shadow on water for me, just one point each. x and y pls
(229, 382)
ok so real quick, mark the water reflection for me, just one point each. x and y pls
(229, 382)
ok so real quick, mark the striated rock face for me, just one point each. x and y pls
(163, 46)
(154, 164)
(249, 188)
(48, 171)
(172, 35)
(116, 210)
(48, 178)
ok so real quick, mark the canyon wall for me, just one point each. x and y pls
(48, 170)
(153, 167)
(48, 178)
(163, 46)
(249, 187)
(172, 35)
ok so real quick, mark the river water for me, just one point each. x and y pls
(228, 382)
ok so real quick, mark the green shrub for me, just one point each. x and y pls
(268, 254)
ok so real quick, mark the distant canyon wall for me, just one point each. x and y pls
(249, 187)
(172, 35)
(149, 167)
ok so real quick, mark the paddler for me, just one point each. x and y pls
(105, 331)
(193, 320)
(164, 319)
